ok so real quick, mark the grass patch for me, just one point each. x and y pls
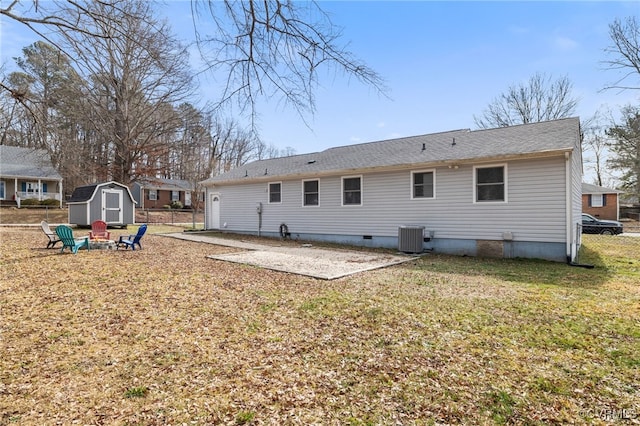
(440, 340)
(136, 392)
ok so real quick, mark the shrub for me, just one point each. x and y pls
(50, 202)
(30, 202)
(176, 205)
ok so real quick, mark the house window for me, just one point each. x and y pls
(423, 184)
(597, 200)
(153, 194)
(490, 183)
(275, 194)
(32, 188)
(311, 192)
(352, 191)
(175, 195)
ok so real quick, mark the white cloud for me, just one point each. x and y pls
(564, 43)
(381, 124)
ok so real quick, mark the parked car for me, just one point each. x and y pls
(591, 225)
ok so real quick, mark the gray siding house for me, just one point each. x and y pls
(27, 173)
(506, 192)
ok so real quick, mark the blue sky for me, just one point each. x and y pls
(443, 62)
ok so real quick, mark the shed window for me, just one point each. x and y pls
(275, 194)
(490, 183)
(352, 191)
(311, 192)
(153, 194)
(423, 184)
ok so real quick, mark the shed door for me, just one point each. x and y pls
(112, 206)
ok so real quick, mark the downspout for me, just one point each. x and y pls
(568, 208)
(569, 217)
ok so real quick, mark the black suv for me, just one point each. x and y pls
(591, 225)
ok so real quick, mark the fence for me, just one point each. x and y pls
(170, 217)
(606, 250)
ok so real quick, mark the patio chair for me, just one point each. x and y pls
(132, 240)
(53, 238)
(66, 236)
(99, 231)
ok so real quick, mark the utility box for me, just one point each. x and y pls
(410, 239)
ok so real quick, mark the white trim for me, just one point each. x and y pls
(342, 178)
(411, 184)
(310, 180)
(505, 183)
(269, 192)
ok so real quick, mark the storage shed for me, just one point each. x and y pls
(109, 201)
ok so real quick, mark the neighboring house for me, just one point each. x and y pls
(601, 202)
(155, 193)
(111, 202)
(28, 173)
(509, 192)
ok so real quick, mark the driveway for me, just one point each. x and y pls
(302, 259)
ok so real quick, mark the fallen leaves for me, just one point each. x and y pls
(166, 336)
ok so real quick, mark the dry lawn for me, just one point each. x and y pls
(165, 336)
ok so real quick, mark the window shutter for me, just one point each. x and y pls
(24, 186)
(604, 200)
(589, 200)
(44, 188)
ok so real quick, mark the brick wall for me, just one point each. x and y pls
(608, 212)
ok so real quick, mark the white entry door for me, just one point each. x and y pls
(214, 211)
(112, 206)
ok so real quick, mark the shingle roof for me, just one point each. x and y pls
(437, 148)
(82, 193)
(18, 162)
(587, 188)
(166, 184)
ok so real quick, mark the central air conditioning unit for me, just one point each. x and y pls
(410, 239)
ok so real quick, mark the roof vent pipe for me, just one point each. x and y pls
(424, 146)
(454, 142)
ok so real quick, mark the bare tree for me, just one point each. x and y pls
(625, 53)
(268, 48)
(274, 48)
(540, 99)
(134, 82)
(595, 147)
(625, 148)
